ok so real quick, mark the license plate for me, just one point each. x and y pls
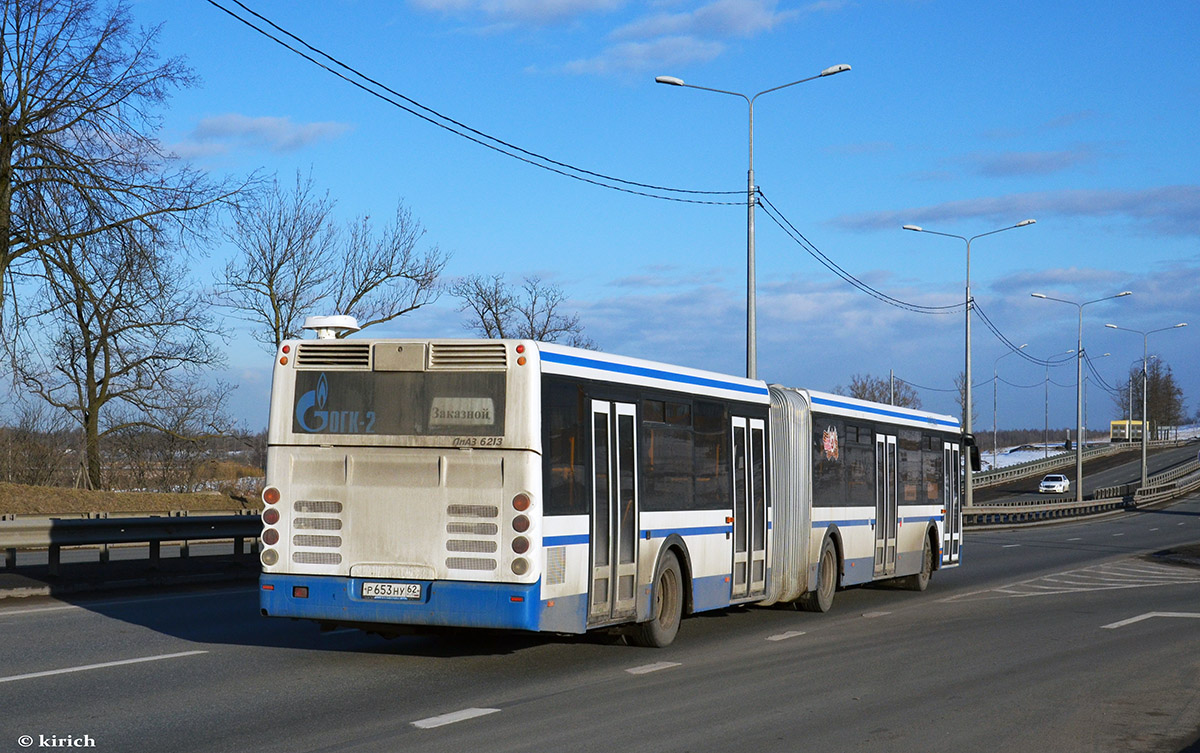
(402, 591)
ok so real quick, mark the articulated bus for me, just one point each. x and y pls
(521, 485)
(1126, 431)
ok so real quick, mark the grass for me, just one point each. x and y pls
(49, 500)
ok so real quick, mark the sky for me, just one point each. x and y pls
(962, 118)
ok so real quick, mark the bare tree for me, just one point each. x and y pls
(879, 390)
(285, 261)
(294, 260)
(533, 311)
(384, 276)
(117, 340)
(80, 90)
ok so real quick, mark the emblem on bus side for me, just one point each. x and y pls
(829, 443)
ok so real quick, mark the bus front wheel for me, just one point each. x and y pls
(666, 609)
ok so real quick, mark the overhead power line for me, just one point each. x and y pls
(429, 115)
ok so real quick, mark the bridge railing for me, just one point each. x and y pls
(53, 533)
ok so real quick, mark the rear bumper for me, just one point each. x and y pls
(444, 603)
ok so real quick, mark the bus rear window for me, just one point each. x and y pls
(399, 403)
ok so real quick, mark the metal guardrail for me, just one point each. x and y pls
(1061, 460)
(1034, 467)
(54, 533)
(1160, 488)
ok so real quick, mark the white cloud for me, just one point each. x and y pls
(221, 134)
(723, 18)
(657, 54)
(537, 12)
(1166, 210)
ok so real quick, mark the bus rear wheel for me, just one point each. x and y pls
(920, 580)
(821, 600)
(666, 609)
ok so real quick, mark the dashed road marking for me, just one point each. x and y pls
(102, 665)
(452, 717)
(646, 669)
(785, 636)
(1148, 615)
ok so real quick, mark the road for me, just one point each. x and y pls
(1102, 472)
(1065, 638)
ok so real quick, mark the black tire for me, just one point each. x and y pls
(821, 600)
(666, 606)
(920, 580)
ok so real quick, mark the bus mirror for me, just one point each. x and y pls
(976, 463)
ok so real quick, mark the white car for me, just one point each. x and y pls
(1055, 483)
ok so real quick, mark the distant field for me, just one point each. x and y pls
(48, 500)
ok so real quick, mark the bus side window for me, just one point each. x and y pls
(565, 483)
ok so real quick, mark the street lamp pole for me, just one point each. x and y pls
(1079, 384)
(968, 484)
(1145, 423)
(751, 200)
(995, 378)
(1046, 430)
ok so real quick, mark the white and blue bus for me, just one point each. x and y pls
(521, 485)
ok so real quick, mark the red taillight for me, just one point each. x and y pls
(270, 516)
(520, 348)
(299, 592)
(270, 536)
(520, 524)
(270, 495)
(287, 348)
(521, 502)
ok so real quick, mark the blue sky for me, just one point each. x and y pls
(959, 117)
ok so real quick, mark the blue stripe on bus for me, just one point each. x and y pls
(662, 533)
(642, 371)
(568, 540)
(844, 523)
(884, 412)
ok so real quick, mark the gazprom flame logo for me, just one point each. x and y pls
(314, 401)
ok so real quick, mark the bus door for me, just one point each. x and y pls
(749, 508)
(885, 504)
(951, 502)
(614, 512)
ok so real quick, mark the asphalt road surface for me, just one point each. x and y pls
(1073, 637)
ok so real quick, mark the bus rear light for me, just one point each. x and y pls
(283, 360)
(520, 566)
(270, 495)
(521, 502)
(520, 524)
(520, 545)
(270, 516)
(299, 592)
(287, 348)
(269, 557)
(520, 348)
(270, 536)
(521, 361)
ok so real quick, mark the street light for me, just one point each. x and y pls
(1145, 424)
(1046, 430)
(968, 485)
(995, 377)
(1079, 383)
(751, 325)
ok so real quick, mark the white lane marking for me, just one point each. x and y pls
(451, 718)
(102, 665)
(1148, 615)
(1075, 539)
(1011, 546)
(1152, 530)
(118, 602)
(1117, 534)
(648, 668)
(873, 615)
(785, 636)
